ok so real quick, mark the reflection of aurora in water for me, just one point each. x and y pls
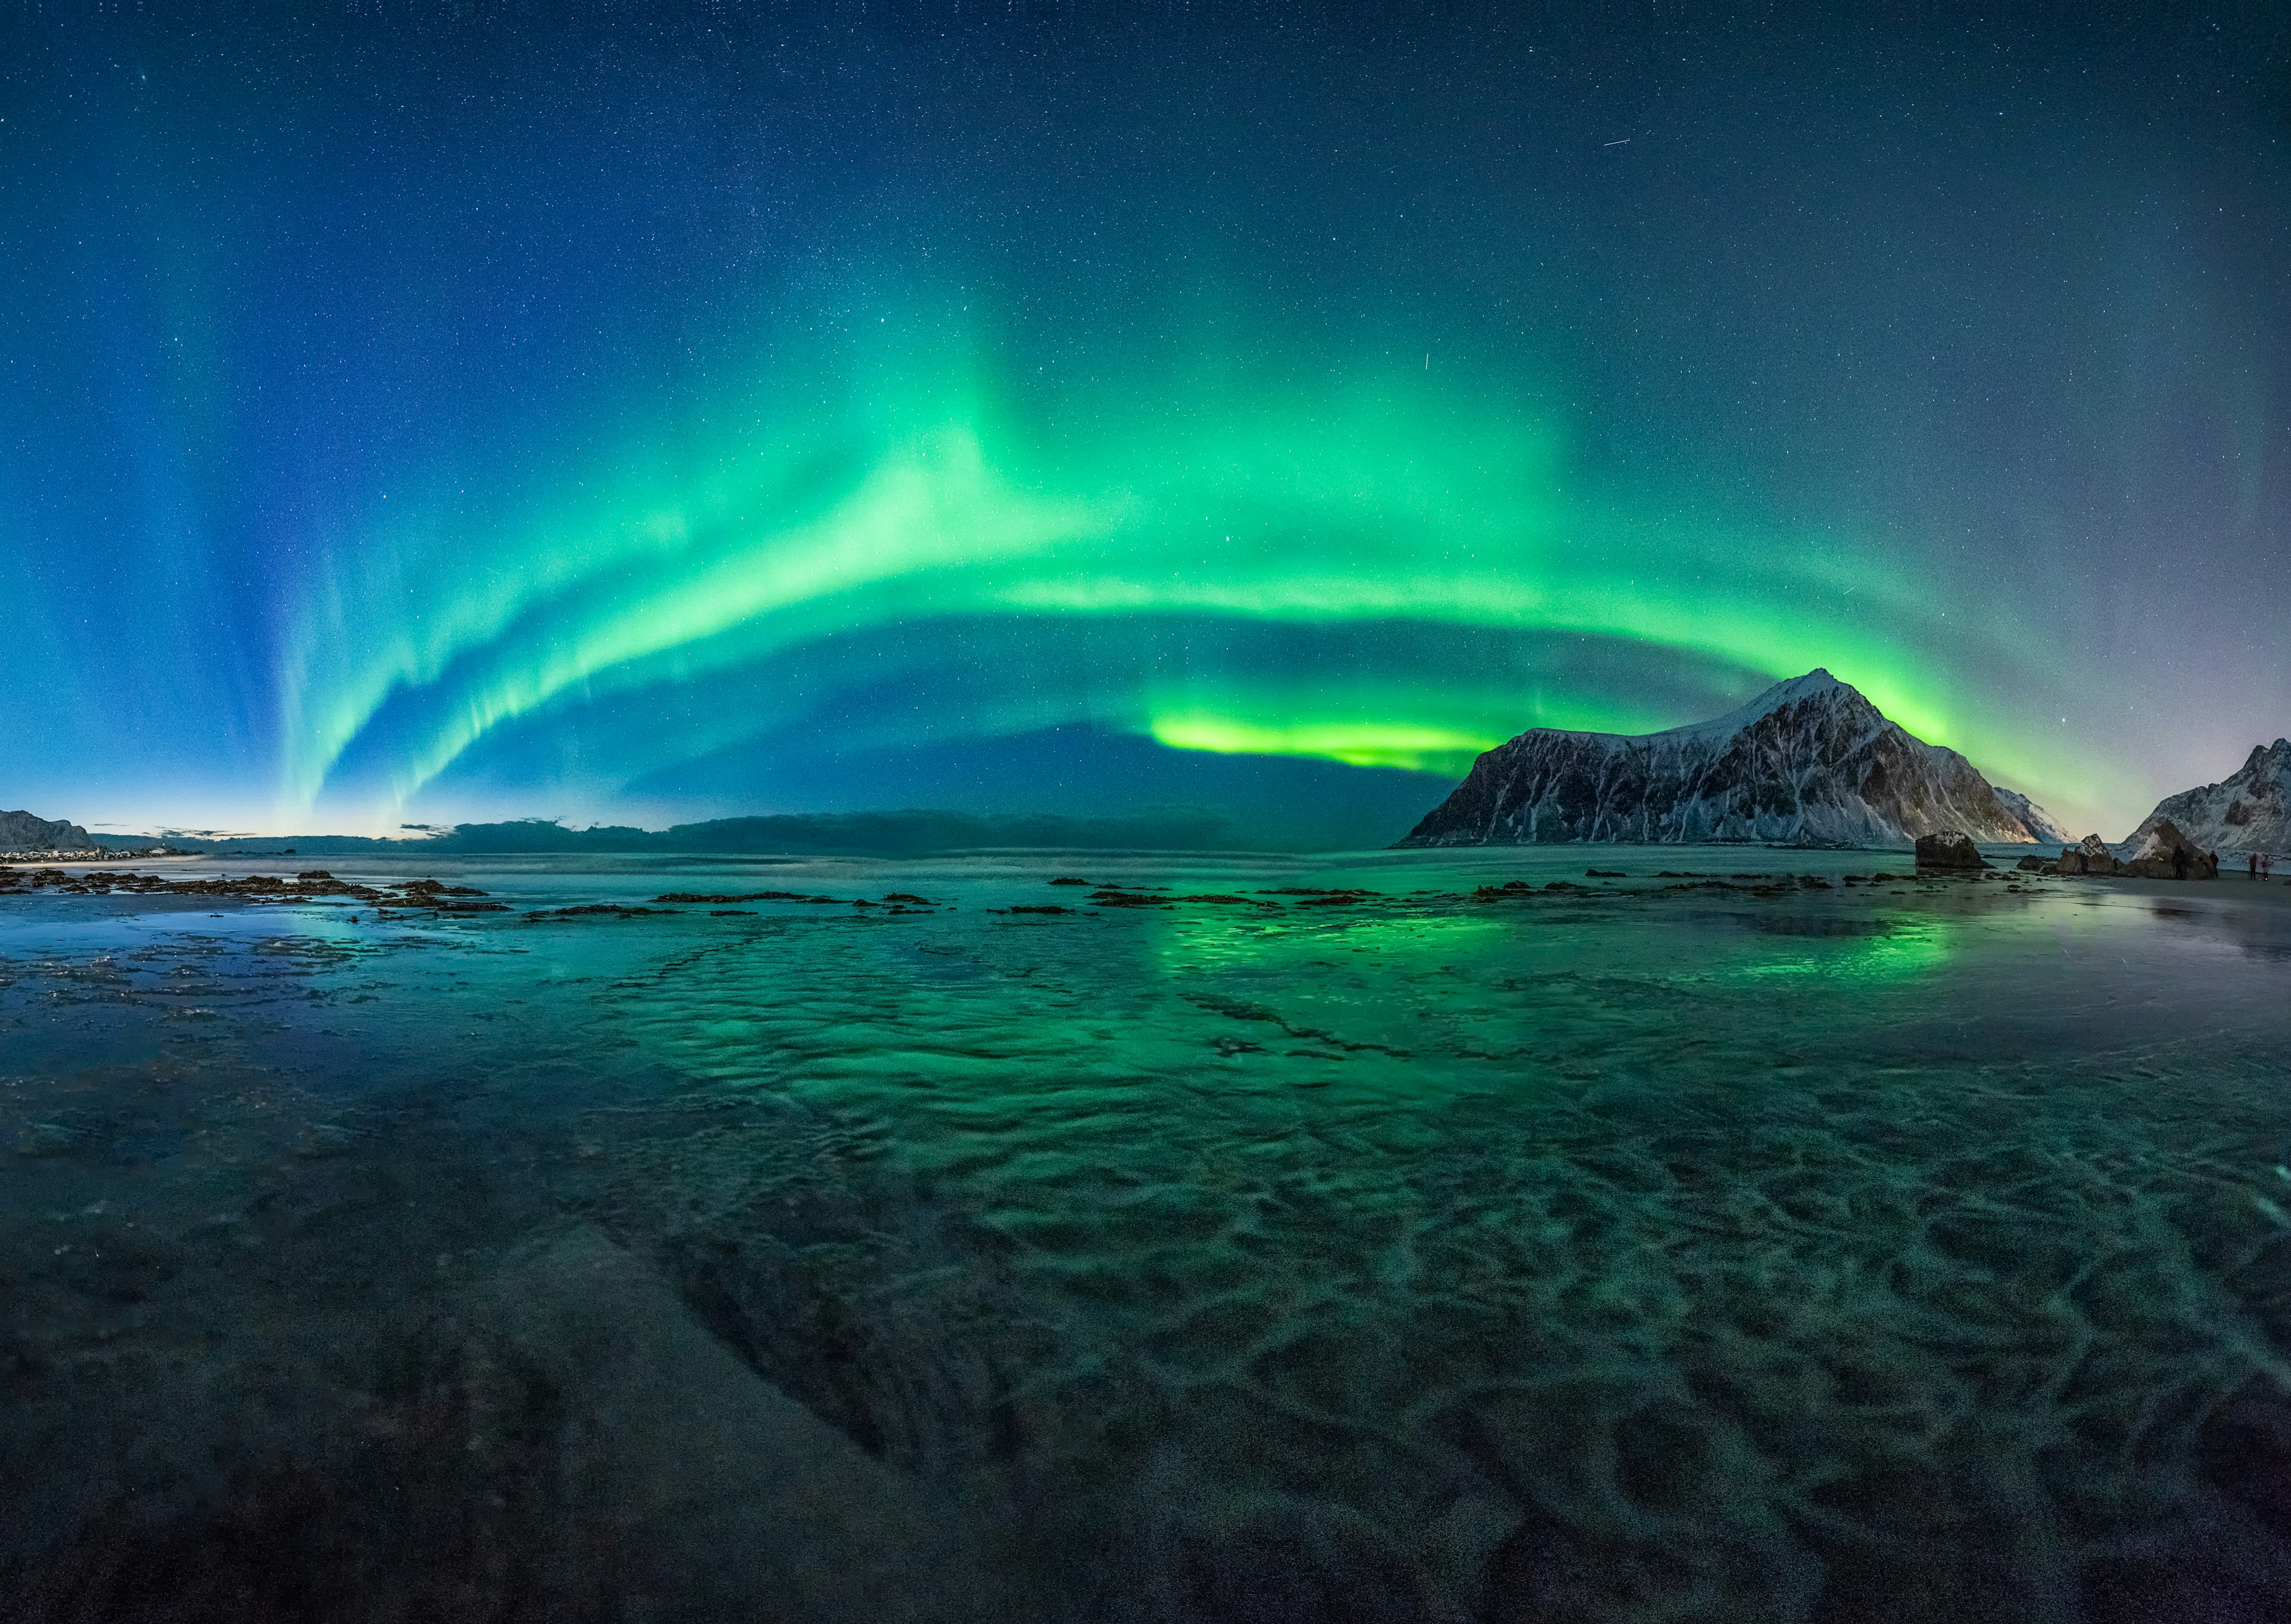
(1905, 948)
(1790, 1255)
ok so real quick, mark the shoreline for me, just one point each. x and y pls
(97, 854)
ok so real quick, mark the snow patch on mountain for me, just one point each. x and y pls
(1809, 760)
(2034, 819)
(2249, 810)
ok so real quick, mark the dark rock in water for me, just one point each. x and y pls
(1949, 848)
(1809, 761)
(22, 831)
(595, 909)
(2089, 855)
(694, 897)
(2166, 853)
(2034, 865)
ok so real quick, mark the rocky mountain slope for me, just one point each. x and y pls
(22, 831)
(2249, 810)
(1809, 760)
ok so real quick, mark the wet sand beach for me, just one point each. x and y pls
(1430, 1235)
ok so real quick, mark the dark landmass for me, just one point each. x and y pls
(22, 831)
(887, 834)
(316, 884)
(1809, 761)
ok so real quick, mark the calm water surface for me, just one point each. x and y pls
(1650, 1251)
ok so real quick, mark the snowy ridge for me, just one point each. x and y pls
(1809, 760)
(1816, 684)
(2249, 810)
(2033, 817)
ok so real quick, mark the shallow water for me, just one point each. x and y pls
(1655, 1249)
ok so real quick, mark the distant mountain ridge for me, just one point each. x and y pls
(2248, 810)
(22, 831)
(1809, 760)
(902, 833)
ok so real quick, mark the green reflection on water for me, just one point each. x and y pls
(1909, 948)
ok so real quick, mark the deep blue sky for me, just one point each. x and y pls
(415, 413)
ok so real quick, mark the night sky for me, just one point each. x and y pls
(416, 412)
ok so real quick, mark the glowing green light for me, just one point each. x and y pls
(1417, 749)
(910, 505)
(1907, 950)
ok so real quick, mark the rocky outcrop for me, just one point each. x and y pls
(2164, 853)
(2249, 810)
(22, 831)
(1949, 848)
(1809, 761)
(315, 885)
(2091, 855)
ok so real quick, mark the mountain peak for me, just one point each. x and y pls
(1808, 759)
(22, 831)
(2248, 810)
(1817, 683)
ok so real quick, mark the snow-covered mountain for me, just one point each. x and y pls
(2027, 813)
(22, 831)
(1809, 760)
(2249, 810)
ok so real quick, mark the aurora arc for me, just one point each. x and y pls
(1396, 502)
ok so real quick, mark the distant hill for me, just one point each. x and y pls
(22, 831)
(1809, 760)
(2249, 810)
(904, 833)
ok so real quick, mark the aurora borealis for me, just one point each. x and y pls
(420, 413)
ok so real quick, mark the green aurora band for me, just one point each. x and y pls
(767, 530)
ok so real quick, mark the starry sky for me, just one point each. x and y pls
(423, 412)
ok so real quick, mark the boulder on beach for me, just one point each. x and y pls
(1948, 848)
(2089, 855)
(2165, 853)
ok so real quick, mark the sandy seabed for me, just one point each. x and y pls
(1394, 1237)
